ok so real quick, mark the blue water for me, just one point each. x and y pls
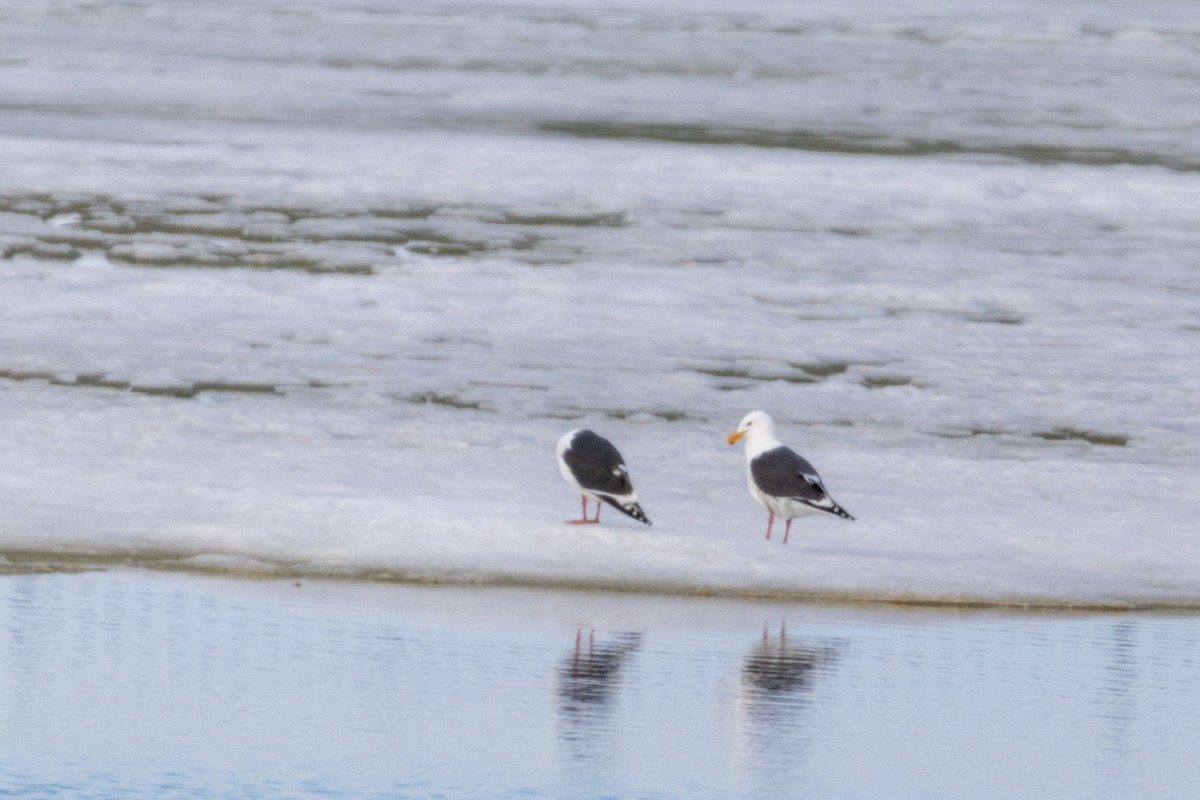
(134, 684)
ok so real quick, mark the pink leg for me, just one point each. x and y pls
(598, 504)
(786, 530)
(585, 519)
(770, 522)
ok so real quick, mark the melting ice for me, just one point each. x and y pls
(318, 288)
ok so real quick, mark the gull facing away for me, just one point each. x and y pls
(592, 466)
(784, 483)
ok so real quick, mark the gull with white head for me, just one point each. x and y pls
(779, 478)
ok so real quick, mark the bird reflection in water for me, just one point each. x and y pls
(777, 681)
(588, 676)
(589, 680)
(779, 668)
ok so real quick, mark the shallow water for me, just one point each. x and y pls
(135, 684)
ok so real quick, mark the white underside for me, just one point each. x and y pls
(783, 507)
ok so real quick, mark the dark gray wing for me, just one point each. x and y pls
(597, 465)
(784, 473)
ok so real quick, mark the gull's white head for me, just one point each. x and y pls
(757, 426)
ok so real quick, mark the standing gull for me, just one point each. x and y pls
(592, 466)
(784, 483)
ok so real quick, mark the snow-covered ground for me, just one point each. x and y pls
(318, 288)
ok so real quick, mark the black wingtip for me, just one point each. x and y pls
(631, 510)
(636, 512)
(834, 509)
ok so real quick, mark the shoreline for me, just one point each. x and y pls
(32, 562)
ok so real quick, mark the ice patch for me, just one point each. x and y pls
(328, 308)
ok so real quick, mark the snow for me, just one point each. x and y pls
(333, 332)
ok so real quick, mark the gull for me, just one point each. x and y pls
(779, 479)
(592, 466)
